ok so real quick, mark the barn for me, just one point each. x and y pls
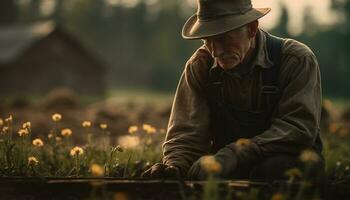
(36, 59)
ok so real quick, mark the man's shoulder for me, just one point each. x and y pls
(201, 58)
(199, 64)
(292, 47)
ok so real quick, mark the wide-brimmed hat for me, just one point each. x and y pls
(215, 17)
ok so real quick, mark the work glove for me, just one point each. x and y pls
(226, 158)
(160, 171)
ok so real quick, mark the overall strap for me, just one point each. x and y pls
(270, 89)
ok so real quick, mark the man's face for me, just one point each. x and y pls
(230, 49)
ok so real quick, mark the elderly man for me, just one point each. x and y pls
(250, 99)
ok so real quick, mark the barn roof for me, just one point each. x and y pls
(15, 39)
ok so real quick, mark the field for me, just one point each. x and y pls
(61, 137)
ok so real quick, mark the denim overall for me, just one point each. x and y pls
(228, 123)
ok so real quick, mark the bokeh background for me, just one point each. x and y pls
(139, 41)
(119, 61)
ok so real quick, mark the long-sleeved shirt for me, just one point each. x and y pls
(295, 122)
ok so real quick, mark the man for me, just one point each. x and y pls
(250, 99)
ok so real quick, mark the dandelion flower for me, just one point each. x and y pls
(26, 125)
(309, 156)
(23, 132)
(293, 173)
(97, 170)
(76, 151)
(86, 124)
(56, 117)
(58, 139)
(133, 129)
(9, 119)
(148, 128)
(50, 135)
(66, 132)
(1, 122)
(32, 161)
(210, 164)
(5, 129)
(129, 142)
(103, 126)
(38, 142)
(277, 196)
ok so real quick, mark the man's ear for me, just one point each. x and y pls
(253, 28)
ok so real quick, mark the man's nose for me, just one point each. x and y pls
(217, 49)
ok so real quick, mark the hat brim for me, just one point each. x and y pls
(196, 29)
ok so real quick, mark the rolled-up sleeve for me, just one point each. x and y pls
(296, 120)
(187, 137)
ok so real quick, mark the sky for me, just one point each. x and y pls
(319, 9)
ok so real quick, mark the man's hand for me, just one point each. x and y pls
(159, 171)
(227, 159)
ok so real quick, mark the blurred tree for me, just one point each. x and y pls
(8, 12)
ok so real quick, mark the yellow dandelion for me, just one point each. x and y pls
(23, 132)
(129, 142)
(58, 139)
(5, 129)
(149, 129)
(50, 135)
(1, 122)
(333, 127)
(309, 156)
(103, 126)
(146, 127)
(133, 129)
(293, 173)
(32, 161)
(56, 117)
(9, 119)
(210, 164)
(66, 132)
(277, 196)
(86, 124)
(38, 142)
(97, 170)
(26, 125)
(76, 151)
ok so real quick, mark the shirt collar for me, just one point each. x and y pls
(260, 58)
